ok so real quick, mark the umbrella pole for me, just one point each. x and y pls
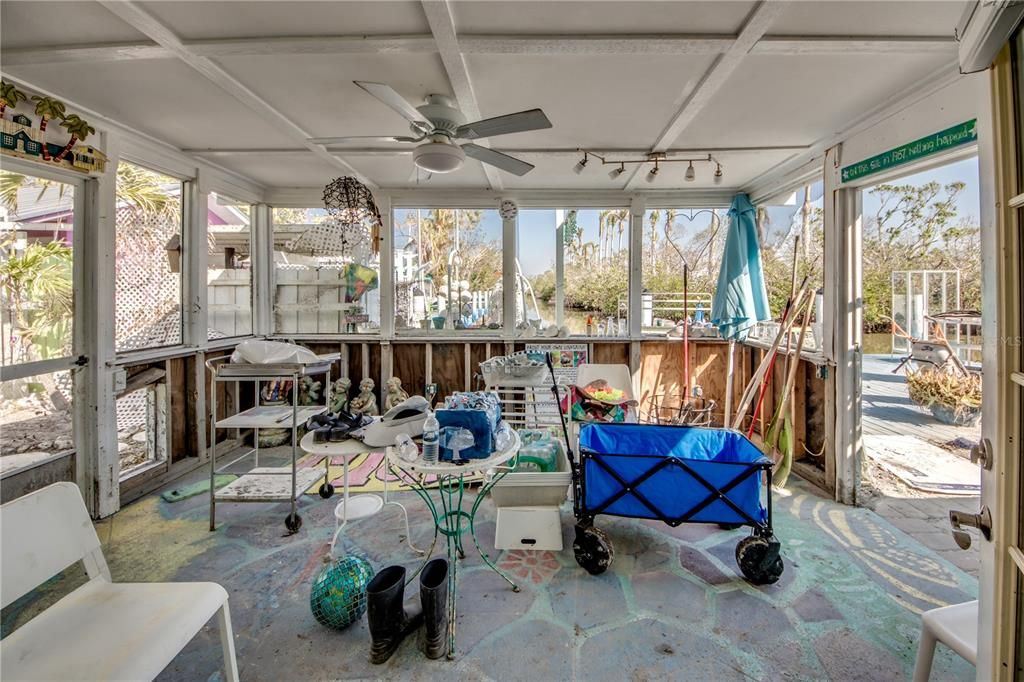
(686, 333)
(728, 385)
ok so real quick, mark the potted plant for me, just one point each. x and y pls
(952, 398)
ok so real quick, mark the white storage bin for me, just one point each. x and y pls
(534, 488)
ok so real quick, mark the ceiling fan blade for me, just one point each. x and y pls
(534, 119)
(354, 138)
(387, 95)
(507, 163)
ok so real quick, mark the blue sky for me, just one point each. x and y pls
(537, 226)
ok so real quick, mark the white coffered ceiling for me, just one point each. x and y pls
(245, 83)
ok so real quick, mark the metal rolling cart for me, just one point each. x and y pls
(268, 484)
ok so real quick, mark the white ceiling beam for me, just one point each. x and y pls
(442, 27)
(545, 151)
(147, 24)
(497, 44)
(846, 45)
(756, 26)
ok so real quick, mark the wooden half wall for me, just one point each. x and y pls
(657, 366)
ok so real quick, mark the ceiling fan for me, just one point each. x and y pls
(438, 123)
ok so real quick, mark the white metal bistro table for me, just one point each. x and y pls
(354, 507)
(450, 518)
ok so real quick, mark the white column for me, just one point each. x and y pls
(843, 325)
(559, 267)
(95, 419)
(509, 275)
(387, 269)
(194, 256)
(262, 255)
(637, 206)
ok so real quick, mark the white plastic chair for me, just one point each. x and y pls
(102, 630)
(956, 626)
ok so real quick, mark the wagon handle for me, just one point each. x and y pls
(561, 415)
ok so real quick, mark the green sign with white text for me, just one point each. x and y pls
(944, 140)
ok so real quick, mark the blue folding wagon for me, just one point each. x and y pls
(675, 474)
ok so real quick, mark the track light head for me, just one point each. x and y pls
(691, 174)
(616, 172)
(581, 165)
(718, 174)
(653, 174)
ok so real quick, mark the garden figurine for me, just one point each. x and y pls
(395, 393)
(366, 402)
(339, 395)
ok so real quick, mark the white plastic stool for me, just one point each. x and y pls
(956, 626)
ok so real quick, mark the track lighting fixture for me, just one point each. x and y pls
(654, 158)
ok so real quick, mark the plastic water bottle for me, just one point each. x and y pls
(431, 436)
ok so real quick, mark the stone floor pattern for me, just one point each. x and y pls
(672, 607)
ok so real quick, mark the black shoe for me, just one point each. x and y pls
(386, 614)
(434, 599)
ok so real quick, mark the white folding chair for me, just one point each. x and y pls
(102, 630)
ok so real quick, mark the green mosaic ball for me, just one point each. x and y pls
(338, 597)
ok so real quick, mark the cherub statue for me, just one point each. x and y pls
(366, 401)
(309, 391)
(339, 395)
(395, 394)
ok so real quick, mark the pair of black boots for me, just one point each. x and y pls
(389, 619)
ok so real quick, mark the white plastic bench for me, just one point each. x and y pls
(956, 626)
(103, 630)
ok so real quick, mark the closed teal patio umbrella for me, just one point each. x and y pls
(741, 300)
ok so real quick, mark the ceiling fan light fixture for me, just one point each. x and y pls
(578, 168)
(438, 157)
(718, 174)
(691, 174)
(616, 172)
(653, 174)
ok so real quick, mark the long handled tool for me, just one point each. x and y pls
(686, 333)
(780, 437)
(755, 381)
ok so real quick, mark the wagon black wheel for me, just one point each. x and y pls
(593, 550)
(759, 559)
(293, 522)
(326, 491)
(730, 526)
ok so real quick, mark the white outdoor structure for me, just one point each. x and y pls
(226, 96)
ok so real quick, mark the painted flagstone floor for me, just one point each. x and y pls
(672, 607)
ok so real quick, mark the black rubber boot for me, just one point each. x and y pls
(434, 598)
(388, 619)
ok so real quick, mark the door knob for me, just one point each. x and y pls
(981, 453)
(959, 519)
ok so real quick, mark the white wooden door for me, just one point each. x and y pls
(1002, 198)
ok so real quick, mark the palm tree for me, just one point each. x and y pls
(38, 279)
(78, 129)
(9, 96)
(47, 108)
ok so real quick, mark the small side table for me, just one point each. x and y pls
(354, 507)
(450, 518)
